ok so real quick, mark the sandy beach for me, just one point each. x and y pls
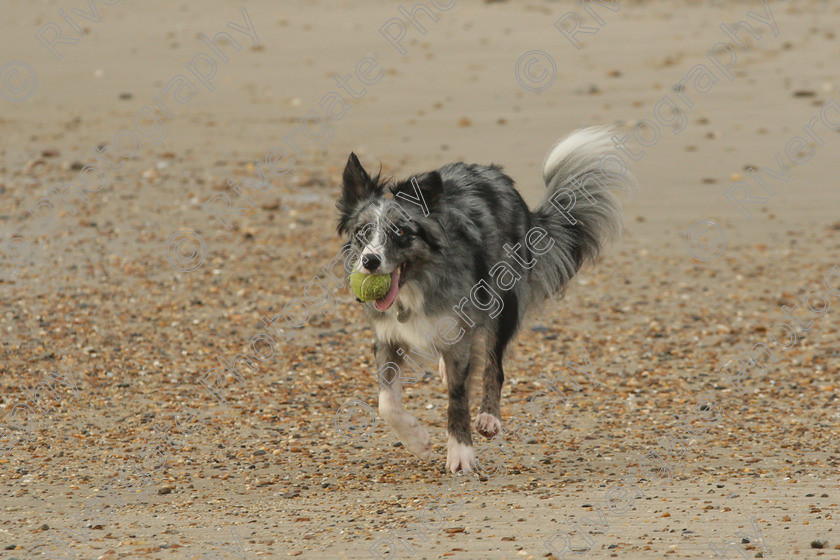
(168, 178)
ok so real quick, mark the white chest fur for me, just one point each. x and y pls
(418, 328)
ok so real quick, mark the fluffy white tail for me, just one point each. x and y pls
(580, 211)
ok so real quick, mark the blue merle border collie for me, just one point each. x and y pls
(468, 261)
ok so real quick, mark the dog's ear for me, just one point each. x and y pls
(356, 184)
(356, 181)
(422, 190)
(431, 185)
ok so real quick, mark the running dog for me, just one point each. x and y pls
(468, 261)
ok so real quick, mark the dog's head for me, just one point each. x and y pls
(390, 233)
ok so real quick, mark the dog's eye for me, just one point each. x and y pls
(400, 232)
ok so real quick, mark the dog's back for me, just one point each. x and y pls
(488, 221)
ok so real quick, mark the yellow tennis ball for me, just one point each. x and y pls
(370, 287)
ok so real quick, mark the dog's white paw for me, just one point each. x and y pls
(442, 369)
(417, 440)
(459, 457)
(409, 431)
(487, 425)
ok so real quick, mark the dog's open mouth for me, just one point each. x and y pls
(397, 280)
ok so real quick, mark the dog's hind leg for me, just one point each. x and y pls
(489, 420)
(408, 429)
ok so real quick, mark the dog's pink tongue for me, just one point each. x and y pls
(386, 302)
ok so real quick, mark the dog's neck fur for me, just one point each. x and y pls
(415, 326)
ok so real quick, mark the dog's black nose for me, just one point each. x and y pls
(371, 261)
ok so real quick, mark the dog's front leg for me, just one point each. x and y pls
(460, 454)
(408, 429)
